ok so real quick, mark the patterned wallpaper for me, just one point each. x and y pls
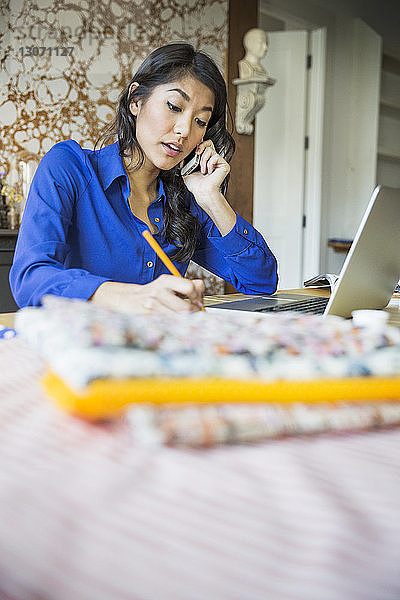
(65, 62)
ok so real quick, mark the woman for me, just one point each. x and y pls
(80, 235)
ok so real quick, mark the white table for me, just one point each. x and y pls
(86, 515)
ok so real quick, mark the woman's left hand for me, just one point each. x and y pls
(206, 182)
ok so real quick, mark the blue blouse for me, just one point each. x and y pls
(78, 231)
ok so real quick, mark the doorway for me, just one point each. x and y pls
(288, 153)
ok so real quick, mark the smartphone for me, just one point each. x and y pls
(191, 166)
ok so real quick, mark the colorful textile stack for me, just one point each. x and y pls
(204, 378)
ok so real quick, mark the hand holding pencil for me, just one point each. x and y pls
(197, 302)
(165, 294)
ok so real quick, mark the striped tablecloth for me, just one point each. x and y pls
(86, 515)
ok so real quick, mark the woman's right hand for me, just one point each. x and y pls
(167, 293)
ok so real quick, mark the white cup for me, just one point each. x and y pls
(373, 319)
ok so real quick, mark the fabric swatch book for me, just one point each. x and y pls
(207, 378)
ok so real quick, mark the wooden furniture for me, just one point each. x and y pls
(339, 245)
(8, 240)
(393, 308)
(7, 319)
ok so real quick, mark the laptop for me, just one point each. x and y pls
(368, 276)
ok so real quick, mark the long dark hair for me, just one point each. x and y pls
(164, 65)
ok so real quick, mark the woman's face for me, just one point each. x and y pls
(172, 121)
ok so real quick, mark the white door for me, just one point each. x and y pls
(279, 164)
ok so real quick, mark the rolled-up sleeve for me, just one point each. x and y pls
(41, 256)
(241, 257)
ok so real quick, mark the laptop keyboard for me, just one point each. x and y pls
(316, 306)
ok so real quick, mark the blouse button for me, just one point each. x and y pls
(149, 264)
(157, 220)
(245, 231)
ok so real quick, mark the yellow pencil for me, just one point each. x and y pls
(161, 254)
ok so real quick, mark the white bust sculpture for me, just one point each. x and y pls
(253, 80)
(255, 43)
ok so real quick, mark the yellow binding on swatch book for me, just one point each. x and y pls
(105, 398)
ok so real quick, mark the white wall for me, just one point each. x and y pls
(382, 17)
(351, 113)
(352, 126)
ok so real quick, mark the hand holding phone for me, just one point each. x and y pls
(209, 170)
(191, 166)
